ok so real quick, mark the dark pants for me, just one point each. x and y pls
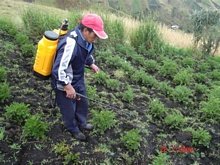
(73, 111)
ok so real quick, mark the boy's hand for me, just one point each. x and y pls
(94, 68)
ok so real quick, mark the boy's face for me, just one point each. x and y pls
(90, 37)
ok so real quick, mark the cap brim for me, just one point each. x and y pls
(101, 34)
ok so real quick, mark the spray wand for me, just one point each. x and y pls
(103, 104)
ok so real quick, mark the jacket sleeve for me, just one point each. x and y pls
(61, 66)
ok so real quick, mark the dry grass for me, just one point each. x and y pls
(12, 9)
(178, 38)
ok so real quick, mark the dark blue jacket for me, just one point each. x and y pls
(71, 57)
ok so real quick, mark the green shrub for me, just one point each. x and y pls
(201, 137)
(206, 29)
(131, 140)
(17, 112)
(101, 77)
(28, 50)
(2, 132)
(175, 120)
(113, 84)
(37, 22)
(182, 94)
(35, 128)
(214, 75)
(3, 74)
(200, 88)
(91, 91)
(157, 108)
(165, 88)
(103, 120)
(21, 39)
(160, 159)
(183, 77)
(203, 67)
(200, 77)
(9, 47)
(211, 109)
(5, 92)
(147, 34)
(61, 148)
(188, 62)
(150, 65)
(169, 68)
(128, 95)
(7, 26)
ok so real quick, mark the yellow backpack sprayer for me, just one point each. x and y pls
(47, 50)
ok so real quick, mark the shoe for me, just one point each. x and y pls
(79, 135)
(88, 127)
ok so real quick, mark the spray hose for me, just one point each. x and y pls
(105, 105)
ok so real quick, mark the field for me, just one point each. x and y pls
(149, 105)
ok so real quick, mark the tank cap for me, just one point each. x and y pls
(51, 35)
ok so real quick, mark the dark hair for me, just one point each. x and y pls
(81, 27)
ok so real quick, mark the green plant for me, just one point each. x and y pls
(157, 108)
(201, 137)
(35, 128)
(200, 77)
(175, 120)
(169, 68)
(103, 120)
(17, 112)
(182, 94)
(206, 30)
(131, 139)
(38, 22)
(113, 84)
(61, 148)
(72, 158)
(165, 88)
(150, 65)
(214, 75)
(188, 62)
(91, 91)
(128, 95)
(5, 92)
(7, 26)
(101, 77)
(203, 67)
(21, 39)
(160, 159)
(211, 109)
(28, 50)
(146, 34)
(3, 74)
(2, 132)
(9, 47)
(200, 88)
(183, 77)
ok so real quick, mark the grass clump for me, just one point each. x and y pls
(35, 128)
(146, 35)
(131, 140)
(103, 120)
(17, 112)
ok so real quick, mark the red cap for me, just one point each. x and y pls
(95, 22)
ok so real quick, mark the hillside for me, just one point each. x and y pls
(167, 11)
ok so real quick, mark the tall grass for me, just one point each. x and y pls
(147, 34)
(36, 22)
